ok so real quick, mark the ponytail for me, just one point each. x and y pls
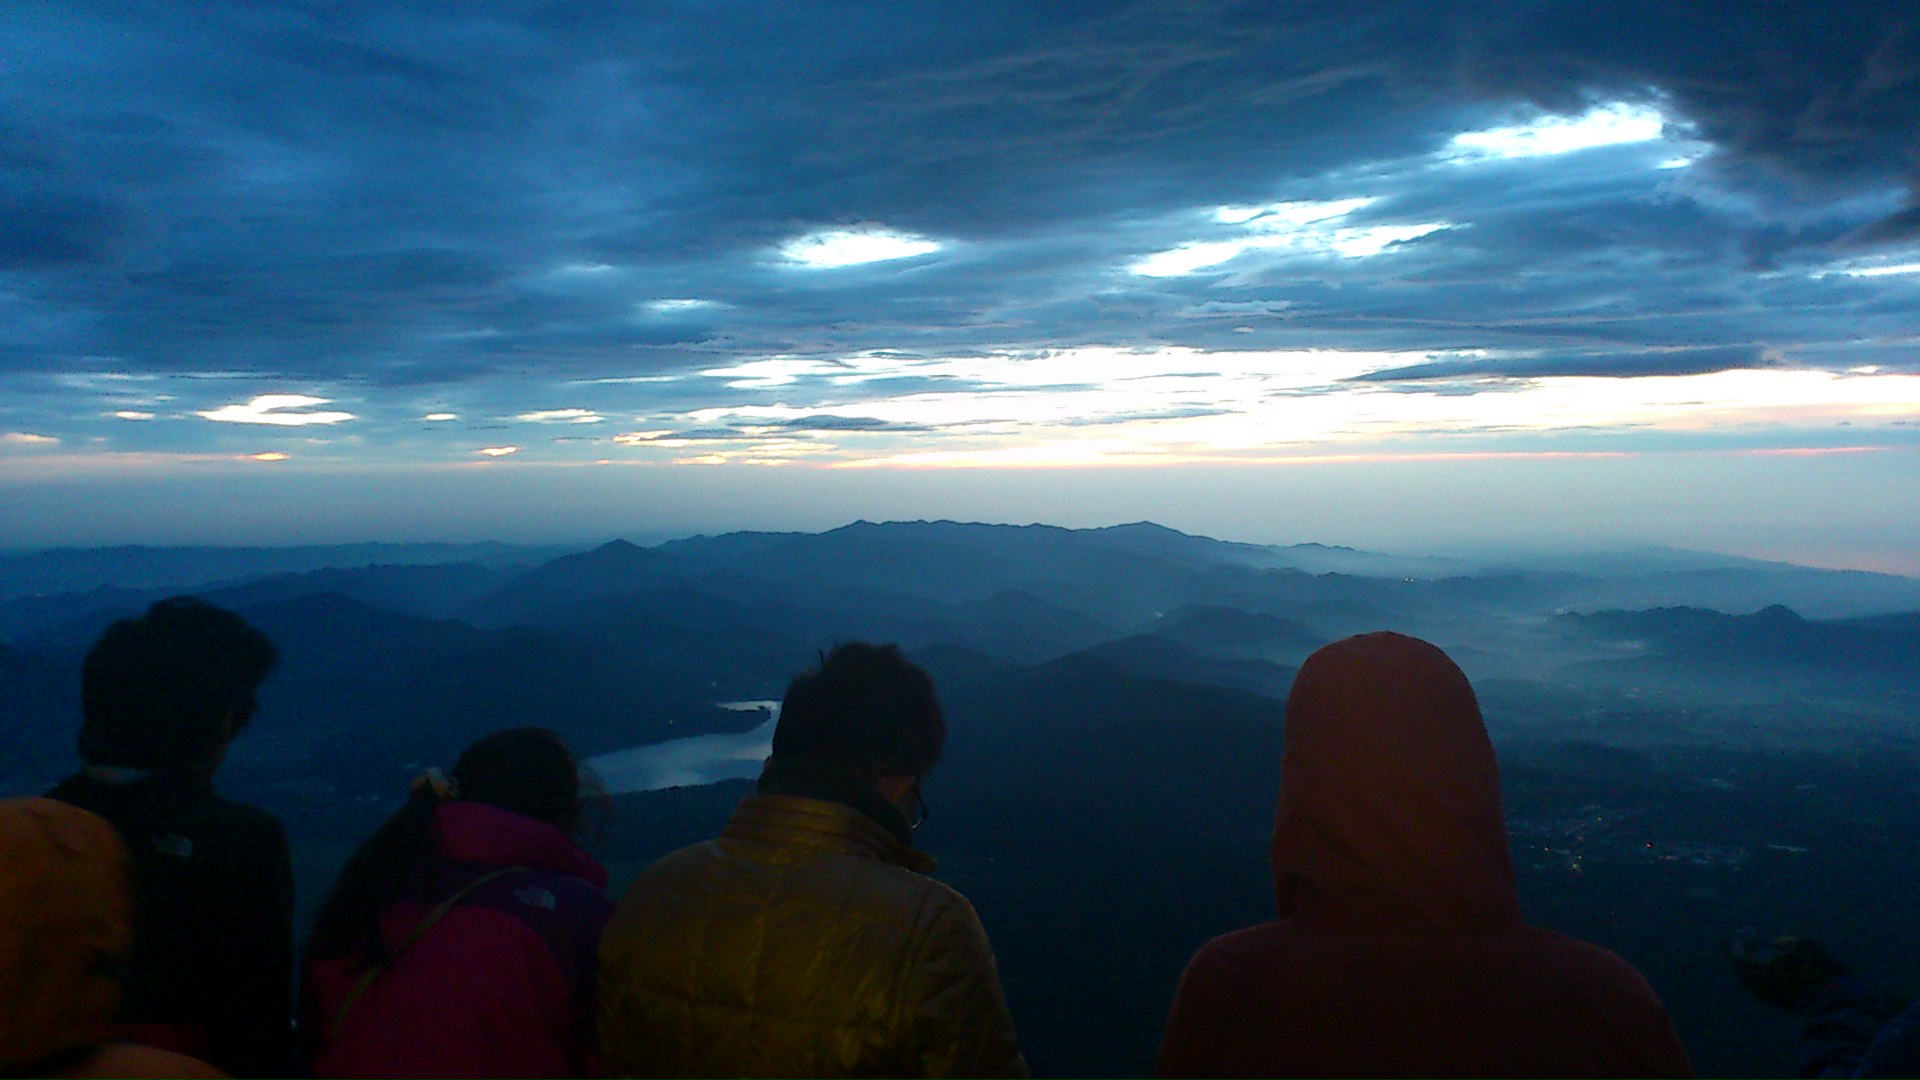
(349, 921)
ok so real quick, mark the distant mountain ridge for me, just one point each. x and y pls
(621, 643)
(1770, 637)
(436, 590)
(905, 548)
(66, 570)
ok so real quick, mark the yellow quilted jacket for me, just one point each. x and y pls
(805, 941)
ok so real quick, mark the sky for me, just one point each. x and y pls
(1404, 275)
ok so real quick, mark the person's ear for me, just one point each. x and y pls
(896, 788)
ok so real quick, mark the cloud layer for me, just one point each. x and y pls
(772, 233)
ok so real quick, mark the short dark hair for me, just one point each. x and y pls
(866, 708)
(156, 691)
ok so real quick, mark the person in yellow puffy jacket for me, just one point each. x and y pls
(807, 939)
(66, 929)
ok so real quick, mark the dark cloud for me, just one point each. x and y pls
(480, 198)
(1903, 227)
(1824, 92)
(42, 230)
(1607, 365)
(831, 422)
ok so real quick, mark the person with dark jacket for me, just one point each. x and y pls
(163, 696)
(807, 939)
(462, 938)
(1399, 950)
(66, 928)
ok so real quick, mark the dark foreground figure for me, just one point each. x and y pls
(1851, 1029)
(163, 697)
(807, 940)
(66, 928)
(1399, 950)
(461, 939)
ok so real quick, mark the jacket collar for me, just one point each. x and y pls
(477, 832)
(114, 774)
(117, 776)
(814, 779)
(821, 824)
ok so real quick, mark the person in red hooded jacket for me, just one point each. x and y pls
(1399, 950)
(463, 938)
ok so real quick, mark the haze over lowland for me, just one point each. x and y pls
(1690, 742)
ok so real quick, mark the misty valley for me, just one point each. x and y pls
(1690, 743)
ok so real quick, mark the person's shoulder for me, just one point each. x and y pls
(110, 801)
(243, 815)
(132, 1059)
(1609, 994)
(179, 796)
(140, 805)
(248, 825)
(689, 869)
(1594, 968)
(75, 789)
(1247, 943)
(555, 908)
(1572, 950)
(1249, 952)
(937, 897)
(933, 909)
(684, 860)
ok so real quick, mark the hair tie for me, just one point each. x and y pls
(445, 788)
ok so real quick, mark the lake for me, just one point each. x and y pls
(692, 761)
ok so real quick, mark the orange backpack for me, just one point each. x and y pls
(66, 926)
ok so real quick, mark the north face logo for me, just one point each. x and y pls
(533, 897)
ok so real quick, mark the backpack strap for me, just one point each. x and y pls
(420, 931)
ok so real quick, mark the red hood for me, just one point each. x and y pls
(1390, 818)
(477, 832)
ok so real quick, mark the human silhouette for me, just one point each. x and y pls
(461, 939)
(807, 939)
(163, 696)
(1399, 949)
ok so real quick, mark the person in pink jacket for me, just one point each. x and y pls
(461, 940)
(1399, 949)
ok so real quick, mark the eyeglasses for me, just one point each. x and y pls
(920, 811)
